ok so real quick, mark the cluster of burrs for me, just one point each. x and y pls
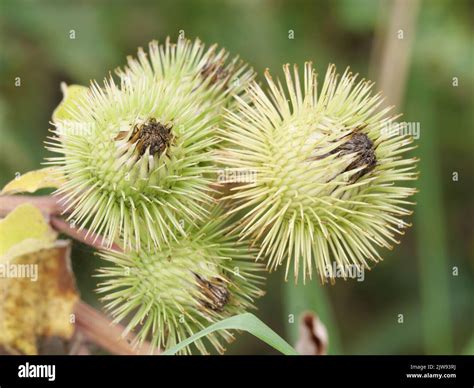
(140, 155)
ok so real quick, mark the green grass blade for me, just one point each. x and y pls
(247, 322)
(469, 350)
(430, 223)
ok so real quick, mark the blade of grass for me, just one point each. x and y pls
(430, 229)
(469, 350)
(247, 322)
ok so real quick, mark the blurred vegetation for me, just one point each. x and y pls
(415, 279)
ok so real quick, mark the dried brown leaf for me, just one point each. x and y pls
(313, 336)
(37, 287)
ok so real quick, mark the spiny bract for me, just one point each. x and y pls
(137, 155)
(327, 172)
(174, 291)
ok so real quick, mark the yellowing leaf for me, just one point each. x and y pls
(24, 230)
(37, 298)
(35, 180)
(71, 94)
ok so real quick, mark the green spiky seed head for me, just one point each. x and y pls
(173, 292)
(328, 187)
(137, 153)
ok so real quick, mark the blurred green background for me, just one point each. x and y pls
(416, 279)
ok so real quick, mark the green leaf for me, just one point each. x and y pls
(49, 177)
(24, 230)
(247, 322)
(71, 94)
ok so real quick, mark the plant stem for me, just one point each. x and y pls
(82, 235)
(48, 204)
(100, 330)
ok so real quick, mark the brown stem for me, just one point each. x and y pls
(100, 330)
(48, 204)
(82, 235)
(391, 55)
